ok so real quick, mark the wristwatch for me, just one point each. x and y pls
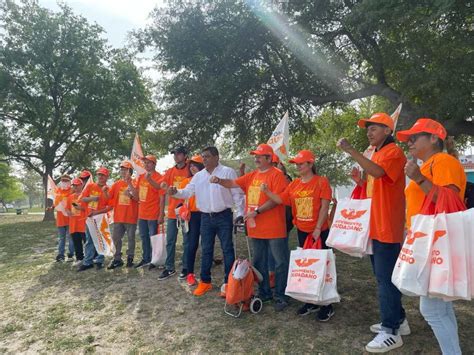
(257, 211)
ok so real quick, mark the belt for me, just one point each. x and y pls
(214, 214)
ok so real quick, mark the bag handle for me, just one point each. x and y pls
(447, 201)
(161, 229)
(309, 243)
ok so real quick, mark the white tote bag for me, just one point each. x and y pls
(349, 231)
(411, 274)
(158, 247)
(468, 219)
(329, 294)
(306, 274)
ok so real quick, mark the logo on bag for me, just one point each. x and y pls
(412, 236)
(437, 235)
(352, 214)
(305, 262)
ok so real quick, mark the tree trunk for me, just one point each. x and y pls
(48, 214)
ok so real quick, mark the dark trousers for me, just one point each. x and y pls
(193, 240)
(78, 239)
(303, 235)
(390, 299)
(219, 224)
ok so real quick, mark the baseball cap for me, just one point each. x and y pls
(423, 125)
(126, 164)
(380, 118)
(76, 181)
(275, 159)
(179, 149)
(263, 149)
(303, 156)
(197, 159)
(65, 177)
(103, 171)
(85, 173)
(150, 157)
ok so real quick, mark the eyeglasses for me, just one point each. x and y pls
(413, 138)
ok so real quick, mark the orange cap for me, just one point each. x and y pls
(103, 171)
(275, 159)
(85, 173)
(150, 158)
(379, 117)
(303, 156)
(426, 125)
(263, 149)
(197, 159)
(126, 164)
(76, 181)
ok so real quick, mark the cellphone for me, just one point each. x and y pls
(75, 204)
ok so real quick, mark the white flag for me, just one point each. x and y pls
(395, 115)
(51, 188)
(100, 233)
(280, 139)
(137, 155)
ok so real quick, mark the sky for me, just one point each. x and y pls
(118, 18)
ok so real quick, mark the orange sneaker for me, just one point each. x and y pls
(202, 288)
(272, 279)
(223, 290)
(191, 279)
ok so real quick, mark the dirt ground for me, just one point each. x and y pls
(48, 307)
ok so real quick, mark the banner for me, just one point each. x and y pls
(137, 155)
(99, 230)
(51, 188)
(280, 139)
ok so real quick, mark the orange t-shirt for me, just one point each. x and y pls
(125, 208)
(441, 169)
(174, 177)
(192, 200)
(149, 197)
(77, 222)
(305, 201)
(272, 223)
(387, 214)
(92, 190)
(61, 197)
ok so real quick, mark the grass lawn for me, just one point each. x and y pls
(49, 307)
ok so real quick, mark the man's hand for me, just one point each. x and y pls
(412, 170)
(164, 185)
(264, 187)
(214, 180)
(242, 169)
(161, 219)
(172, 190)
(92, 213)
(105, 188)
(252, 214)
(316, 233)
(355, 175)
(239, 220)
(148, 175)
(344, 145)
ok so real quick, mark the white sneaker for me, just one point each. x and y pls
(70, 259)
(384, 342)
(403, 330)
(77, 263)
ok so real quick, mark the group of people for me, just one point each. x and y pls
(218, 197)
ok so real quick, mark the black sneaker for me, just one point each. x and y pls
(280, 305)
(115, 264)
(266, 299)
(99, 266)
(325, 313)
(306, 309)
(183, 275)
(165, 274)
(151, 266)
(59, 259)
(129, 261)
(141, 264)
(85, 267)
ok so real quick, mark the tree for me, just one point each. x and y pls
(235, 67)
(67, 98)
(33, 188)
(10, 189)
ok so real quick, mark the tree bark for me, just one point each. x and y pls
(48, 215)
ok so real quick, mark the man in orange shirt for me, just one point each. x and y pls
(62, 220)
(385, 185)
(150, 207)
(123, 198)
(174, 177)
(265, 222)
(96, 196)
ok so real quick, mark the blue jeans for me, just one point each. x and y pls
(147, 228)
(90, 252)
(271, 259)
(280, 252)
(63, 233)
(390, 299)
(442, 320)
(192, 240)
(171, 238)
(219, 224)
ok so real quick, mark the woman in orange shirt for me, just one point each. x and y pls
(76, 211)
(426, 141)
(309, 197)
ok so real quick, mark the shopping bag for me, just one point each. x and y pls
(329, 294)
(307, 270)
(241, 269)
(468, 224)
(349, 231)
(99, 231)
(411, 274)
(158, 247)
(309, 243)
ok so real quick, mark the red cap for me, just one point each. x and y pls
(126, 164)
(197, 159)
(263, 149)
(379, 117)
(275, 159)
(76, 181)
(150, 158)
(303, 156)
(85, 173)
(103, 171)
(423, 125)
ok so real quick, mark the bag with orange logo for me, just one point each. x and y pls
(99, 230)
(306, 274)
(468, 219)
(349, 231)
(158, 247)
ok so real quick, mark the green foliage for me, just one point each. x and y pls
(10, 189)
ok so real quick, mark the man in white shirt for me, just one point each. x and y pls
(215, 203)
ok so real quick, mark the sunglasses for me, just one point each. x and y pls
(413, 138)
